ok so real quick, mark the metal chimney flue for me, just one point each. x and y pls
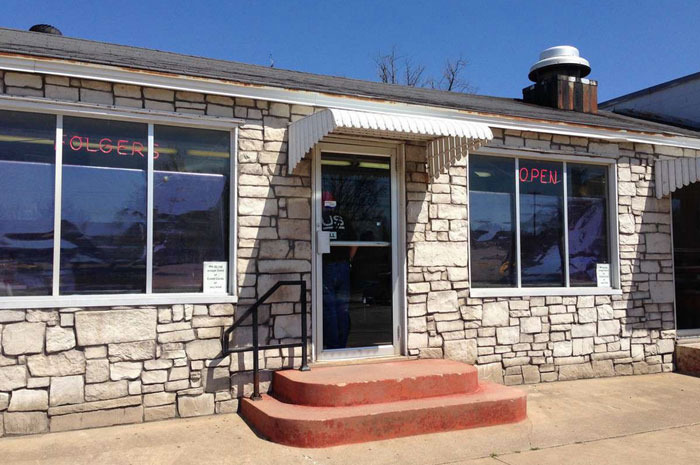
(560, 81)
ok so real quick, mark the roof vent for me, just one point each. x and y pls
(46, 29)
(562, 59)
(559, 81)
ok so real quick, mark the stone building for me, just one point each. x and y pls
(147, 199)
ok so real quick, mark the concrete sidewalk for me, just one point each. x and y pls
(639, 420)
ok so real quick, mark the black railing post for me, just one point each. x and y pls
(304, 358)
(253, 311)
(256, 350)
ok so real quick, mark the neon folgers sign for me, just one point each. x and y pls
(109, 146)
(539, 175)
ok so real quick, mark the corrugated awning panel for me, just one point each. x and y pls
(450, 140)
(672, 174)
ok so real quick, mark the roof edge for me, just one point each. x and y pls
(86, 70)
(649, 90)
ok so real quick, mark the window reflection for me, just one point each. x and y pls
(541, 223)
(103, 214)
(356, 200)
(492, 221)
(587, 218)
(357, 279)
(191, 208)
(26, 203)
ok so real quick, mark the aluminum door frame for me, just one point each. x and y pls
(394, 152)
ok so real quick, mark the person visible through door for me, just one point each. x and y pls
(336, 278)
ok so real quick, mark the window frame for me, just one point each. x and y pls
(612, 221)
(151, 119)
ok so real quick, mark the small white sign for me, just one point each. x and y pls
(602, 273)
(215, 277)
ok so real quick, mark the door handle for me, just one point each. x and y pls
(323, 242)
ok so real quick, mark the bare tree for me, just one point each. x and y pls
(393, 68)
(413, 73)
(387, 67)
(452, 79)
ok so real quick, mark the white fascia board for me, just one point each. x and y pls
(299, 97)
(44, 105)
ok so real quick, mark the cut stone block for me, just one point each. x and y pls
(23, 338)
(67, 390)
(26, 422)
(114, 326)
(119, 416)
(71, 362)
(194, 406)
(27, 400)
(13, 377)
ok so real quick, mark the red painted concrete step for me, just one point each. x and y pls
(688, 359)
(306, 426)
(374, 383)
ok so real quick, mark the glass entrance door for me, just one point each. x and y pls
(357, 275)
(686, 258)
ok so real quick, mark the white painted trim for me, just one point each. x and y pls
(93, 110)
(401, 252)
(316, 293)
(518, 251)
(149, 210)
(542, 291)
(673, 270)
(613, 226)
(58, 196)
(113, 300)
(233, 215)
(299, 97)
(567, 278)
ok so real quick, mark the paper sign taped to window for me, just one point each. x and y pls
(602, 273)
(215, 277)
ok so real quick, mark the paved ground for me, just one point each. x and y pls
(636, 420)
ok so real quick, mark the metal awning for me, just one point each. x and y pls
(448, 139)
(672, 174)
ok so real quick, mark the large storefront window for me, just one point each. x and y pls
(492, 221)
(189, 228)
(554, 213)
(115, 199)
(103, 213)
(541, 223)
(26, 203)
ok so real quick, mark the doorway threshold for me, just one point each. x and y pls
(361, 361)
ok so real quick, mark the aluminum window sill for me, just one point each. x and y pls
(542, 291)
(113, 300)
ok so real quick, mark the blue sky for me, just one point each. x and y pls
(630, 44)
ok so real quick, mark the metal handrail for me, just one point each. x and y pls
(253, 309)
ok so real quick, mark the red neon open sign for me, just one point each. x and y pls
(539, 175)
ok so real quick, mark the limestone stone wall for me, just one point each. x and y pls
(533, 339)
(72, 368)
(69, 368)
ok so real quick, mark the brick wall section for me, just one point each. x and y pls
(70, 368)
